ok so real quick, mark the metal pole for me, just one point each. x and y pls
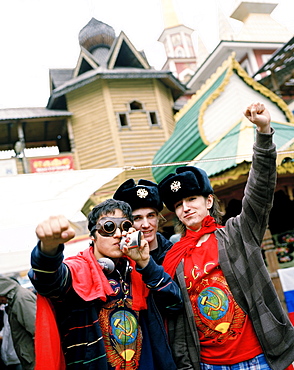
(22, 141)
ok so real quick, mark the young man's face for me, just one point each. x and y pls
(192, 210)
(108, 246)
(146, 220)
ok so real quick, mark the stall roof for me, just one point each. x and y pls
(29, 113)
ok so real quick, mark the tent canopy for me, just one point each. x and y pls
(29, 199)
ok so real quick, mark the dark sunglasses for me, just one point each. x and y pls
(107, 226)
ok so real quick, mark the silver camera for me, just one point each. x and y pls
(132, 240)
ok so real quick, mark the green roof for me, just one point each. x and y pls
(226, 148)
(186, 141)
(226, 154)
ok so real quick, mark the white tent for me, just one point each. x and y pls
(26, 200)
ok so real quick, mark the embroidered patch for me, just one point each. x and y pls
(142, 193)
(122, 334)
(175, 186)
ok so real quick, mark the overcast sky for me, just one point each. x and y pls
(36, 35)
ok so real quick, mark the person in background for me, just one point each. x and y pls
(8, 354)
(100, 297)
(2, 307)
(233, 318)
(146, 206)
(21, 310)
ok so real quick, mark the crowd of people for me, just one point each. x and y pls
(134, 300)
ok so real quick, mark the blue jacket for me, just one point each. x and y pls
(159, 253)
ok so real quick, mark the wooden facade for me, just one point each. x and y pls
(100, 139)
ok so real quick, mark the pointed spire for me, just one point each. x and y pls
(226, 31)
(178, 43)
(202, 52)
(170, 18)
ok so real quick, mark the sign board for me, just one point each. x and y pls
(51, 164)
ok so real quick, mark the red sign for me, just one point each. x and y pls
(51, 164)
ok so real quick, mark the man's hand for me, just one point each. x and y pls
(140, 254)
(259, 115)
(52, 232)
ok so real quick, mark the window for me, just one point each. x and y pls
(180, 52)
(123, 119)
(176, 39)
(136, 105)
(153, 118)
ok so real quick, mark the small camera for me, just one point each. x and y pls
(132, 240)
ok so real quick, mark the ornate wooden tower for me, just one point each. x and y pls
(122, 109)
(177, 40)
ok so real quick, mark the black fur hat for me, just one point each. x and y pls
(143, 195)
(185, 182)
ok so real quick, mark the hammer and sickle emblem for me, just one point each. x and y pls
(213, 307)
(124, 330)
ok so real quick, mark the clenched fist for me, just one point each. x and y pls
(52, 232)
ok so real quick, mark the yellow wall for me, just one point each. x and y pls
(100, 141)
(93, 142)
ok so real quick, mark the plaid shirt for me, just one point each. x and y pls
(242, 263)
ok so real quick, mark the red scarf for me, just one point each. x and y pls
(49, 355)
(186, 245)
(89, 282)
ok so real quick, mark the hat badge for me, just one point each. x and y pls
(175, 186)
(142, 193)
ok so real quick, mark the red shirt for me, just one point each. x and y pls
(226, 333)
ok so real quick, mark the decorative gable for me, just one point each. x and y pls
(124, 54)
(86, 62)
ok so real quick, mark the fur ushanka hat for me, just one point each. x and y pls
(185, 182)
(143, 195)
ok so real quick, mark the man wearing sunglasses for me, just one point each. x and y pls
(104, 320)
(146, 206)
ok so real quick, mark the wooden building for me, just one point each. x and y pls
(123, 108)
(114, 109)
